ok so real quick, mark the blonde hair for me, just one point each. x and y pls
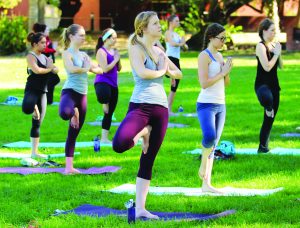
(140, 23)
(71, 30)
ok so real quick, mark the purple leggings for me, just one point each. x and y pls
(138, 117)
(70, 99)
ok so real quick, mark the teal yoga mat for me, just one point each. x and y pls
(20, 156)
(24, 144)
(251, 151)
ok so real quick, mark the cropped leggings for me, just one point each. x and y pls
(68, 101)
(212, 119)
(107, 94)
(138, 117)
(31, 98)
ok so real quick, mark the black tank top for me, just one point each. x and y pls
(267, 78)
(37, 81)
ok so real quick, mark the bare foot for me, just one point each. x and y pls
(36, 155)
(105, 108)
(71, 171)
(75, 119)
(145, 214)
(208, 188)
(36, 114)
(146, 139)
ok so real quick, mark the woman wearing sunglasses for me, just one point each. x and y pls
(213, 76)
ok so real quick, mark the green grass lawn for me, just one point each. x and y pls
(33, 198)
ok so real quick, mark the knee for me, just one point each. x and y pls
(27, 109)
(121, 145)
(209, 140)
(66, 113)
(102, 99)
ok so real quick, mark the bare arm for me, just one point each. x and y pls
(168, 38)
(102, 61)
(205, 81)
(227, 77)
(68, 63)
(95, 68)
(32, 64)
(263, 59)
(173, 71)
(137, 58)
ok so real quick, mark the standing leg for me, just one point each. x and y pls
(159, 123)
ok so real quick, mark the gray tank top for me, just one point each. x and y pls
(76, 81)
(150, 91)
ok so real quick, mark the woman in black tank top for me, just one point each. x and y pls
(35, 100)
(266, 83)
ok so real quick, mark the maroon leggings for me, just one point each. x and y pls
(70, 99)
(138, 117)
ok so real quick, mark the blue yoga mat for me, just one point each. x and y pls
(251, 151)
(100, 211)
(291, 135)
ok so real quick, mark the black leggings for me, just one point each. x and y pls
(52, 82)
(269, 99)
(32, 98)
(176, 62)
(107, 94)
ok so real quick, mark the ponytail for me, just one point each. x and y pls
(71, 30)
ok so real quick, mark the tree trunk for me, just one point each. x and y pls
(32, 13)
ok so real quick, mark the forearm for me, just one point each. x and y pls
(96, 70)
(79, 70)
(109, 66)
(211, 81)
(151, 74)
(175, 74)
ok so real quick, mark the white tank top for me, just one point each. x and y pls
(172, 50)
(214, 94)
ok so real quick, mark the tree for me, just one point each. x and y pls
(9, 4)
(68, 10)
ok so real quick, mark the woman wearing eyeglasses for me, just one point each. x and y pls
(213, 76)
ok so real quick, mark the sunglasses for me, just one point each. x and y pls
(223, 38)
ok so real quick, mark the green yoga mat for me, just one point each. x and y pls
(277, 151)
(23, 144)
(20, 156)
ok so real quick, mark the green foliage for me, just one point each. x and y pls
(53, 2)
(12, 34)
(9, 4)
(231, 29)
(192, 22)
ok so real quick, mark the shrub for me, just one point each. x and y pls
(13, 34)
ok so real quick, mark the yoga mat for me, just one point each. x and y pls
(250, 151)
(292, 134)
(26, 171)
(184, 114)
(170, 125)
(20, 156)
(23, 144)
(228, 191)
(100, 211)
(99, 123)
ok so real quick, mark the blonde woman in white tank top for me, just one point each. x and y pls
(213, 76)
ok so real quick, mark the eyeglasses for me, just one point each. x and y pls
(223, 38)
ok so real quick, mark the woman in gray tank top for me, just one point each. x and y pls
(147, 116)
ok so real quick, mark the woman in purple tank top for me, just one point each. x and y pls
(106, 84)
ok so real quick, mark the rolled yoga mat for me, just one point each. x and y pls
(100, 211)
(227, 191)
(20, 156)
(250, 151)
(170, 125)
(90, 171)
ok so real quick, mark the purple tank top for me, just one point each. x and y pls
(110, 77)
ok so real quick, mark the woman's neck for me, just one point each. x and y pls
(107, 47)
(212, 49)
(74, 47)
(148, 42)
(36, 52)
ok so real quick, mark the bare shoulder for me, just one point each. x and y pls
(203, 56)
(260, 46)
(158, 50)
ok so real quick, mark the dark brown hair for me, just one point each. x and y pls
(212, 31)
(34, 38)
(264, 25)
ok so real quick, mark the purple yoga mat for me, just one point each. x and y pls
(99, 211)
(26, 171)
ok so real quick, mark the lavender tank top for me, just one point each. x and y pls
(110, 77)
